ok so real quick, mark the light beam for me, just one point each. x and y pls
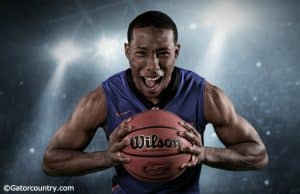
(66, 52)
(107, 47)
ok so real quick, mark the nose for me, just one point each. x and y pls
(152, 63)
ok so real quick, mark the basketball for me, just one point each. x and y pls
(154, 146)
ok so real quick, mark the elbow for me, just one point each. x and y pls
(260, 160)
(255, 158)
(47, 164)
(263, 161)
(47, 170)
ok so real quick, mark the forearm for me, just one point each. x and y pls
(61, 162)
(246, 156)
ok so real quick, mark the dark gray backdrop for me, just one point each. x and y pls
(248, 48)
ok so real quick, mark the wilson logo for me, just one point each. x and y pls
(153, 141)
(156, 168)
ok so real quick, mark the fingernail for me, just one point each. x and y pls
(181, 133)
(182, 122)
(127, 141)
(129, 119)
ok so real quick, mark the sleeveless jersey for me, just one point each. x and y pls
(187, 102)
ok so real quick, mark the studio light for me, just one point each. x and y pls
(224, 17)
(222, 20)
(66, 52)
(108, 47)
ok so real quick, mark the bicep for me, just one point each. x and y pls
(69, 138)
(76, 133)
(231, 128)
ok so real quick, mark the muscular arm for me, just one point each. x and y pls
(244, 148)
(64, 154)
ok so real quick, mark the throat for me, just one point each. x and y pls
(154, 100)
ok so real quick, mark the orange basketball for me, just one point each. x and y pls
(154, 146)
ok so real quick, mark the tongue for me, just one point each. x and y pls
(150, 83)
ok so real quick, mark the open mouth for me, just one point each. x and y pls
(152, 82)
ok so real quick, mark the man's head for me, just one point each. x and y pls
(152, 50)
(155, 19)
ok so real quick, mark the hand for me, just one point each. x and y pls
(117, 142)
(197, 149)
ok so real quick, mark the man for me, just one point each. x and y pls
(153, 81)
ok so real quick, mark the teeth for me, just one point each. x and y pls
(152, 79)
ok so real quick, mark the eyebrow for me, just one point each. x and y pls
(139, 47)
(160, 49)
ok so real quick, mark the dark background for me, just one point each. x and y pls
(248, 48)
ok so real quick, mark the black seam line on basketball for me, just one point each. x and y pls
(155, 126)
(145, 156)
(149, 178)
(165, 127)
(145, 178)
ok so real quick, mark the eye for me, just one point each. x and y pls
(163, 54)
(140, 53)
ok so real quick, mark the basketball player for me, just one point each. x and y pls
(153, 81)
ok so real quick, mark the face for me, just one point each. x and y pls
(152, 54)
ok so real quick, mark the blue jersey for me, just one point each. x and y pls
(184, 97)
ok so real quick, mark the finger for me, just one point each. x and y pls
(194, 160)
(120, 145)
(125, 122)
(121, 131)
(120, 158)
(186, 165)
(190, 137)
(118, 135)
(124, 158)
(195, 150)
(190, 128)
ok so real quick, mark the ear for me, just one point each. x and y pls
(177, 50)
(126, 49)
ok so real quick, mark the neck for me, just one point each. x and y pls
(163, 98)
(153, 100)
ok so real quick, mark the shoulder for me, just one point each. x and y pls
(94, 97)
(188, 73)
(91, 109)
(190, 78)
(117, 76)
(218, 106)
(115, 81)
